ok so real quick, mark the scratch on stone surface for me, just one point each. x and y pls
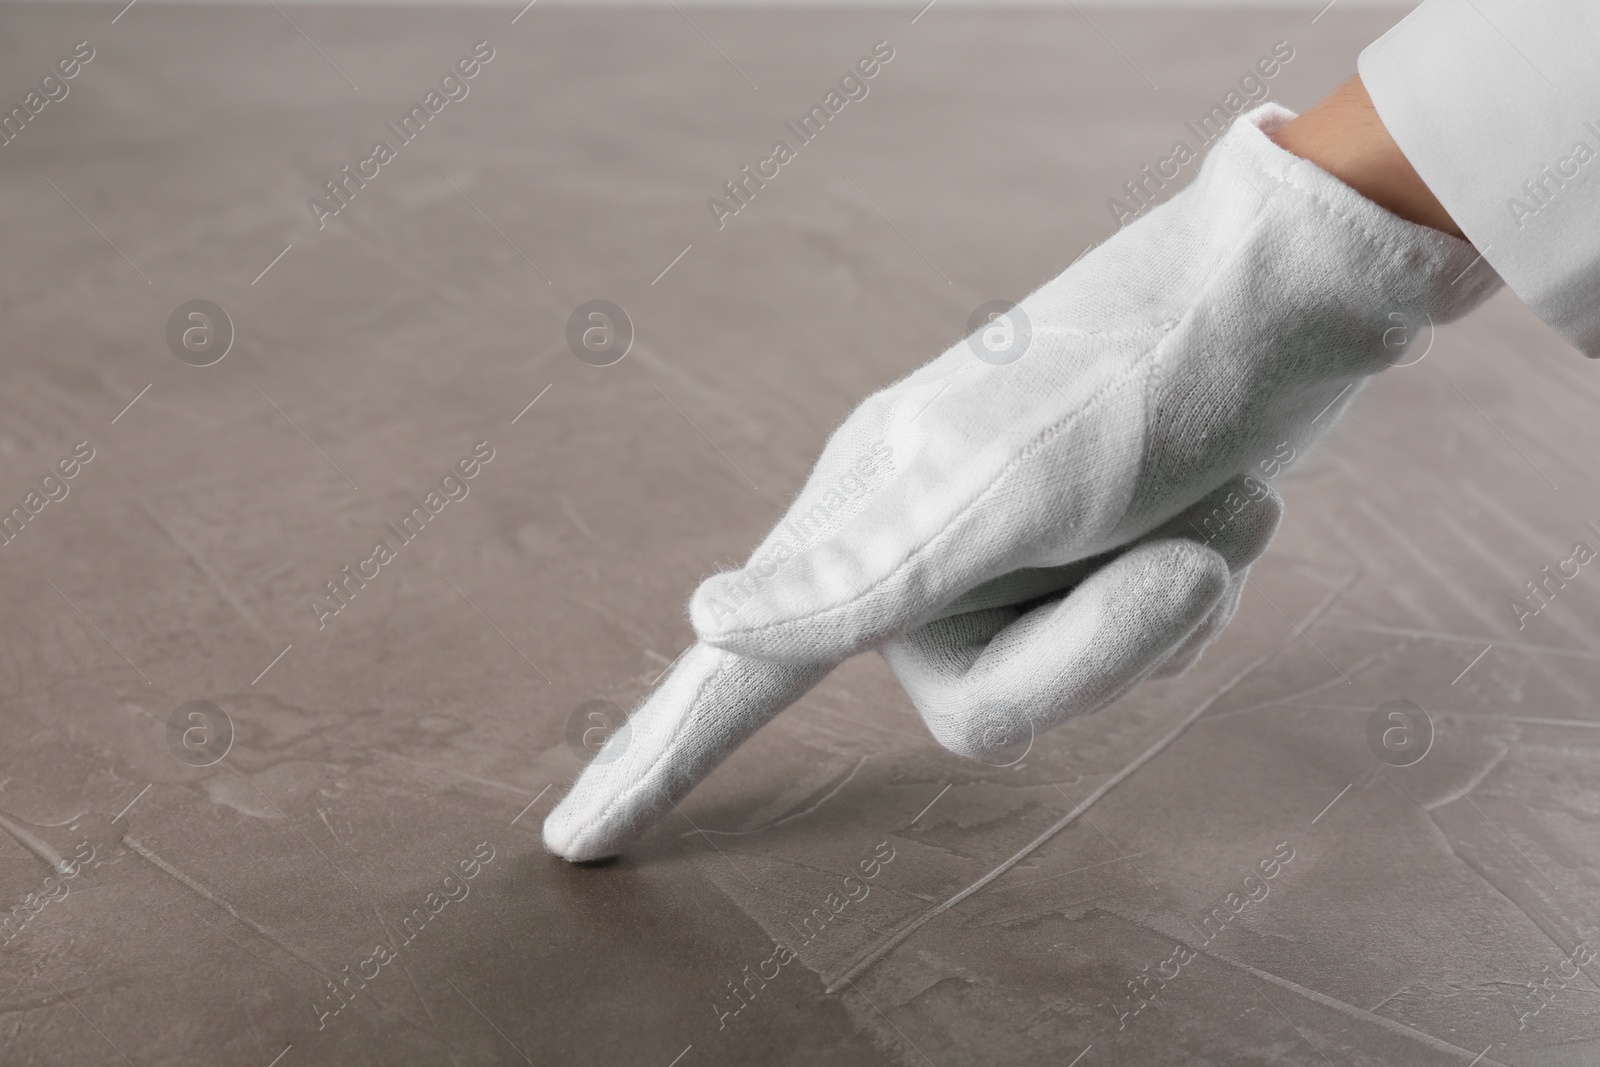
(388, 939)
(1357, 544)
(1469, 639)
(792, 815)
(1360, 1014)
(1424, 563)
(729, 408)
(573, 515)
(246, 947)
(906, 929)
(32, 842)
(322, 814)
(779, 866)
(1555, 937)
(359, 892)
(211, 576)
(1030, 883)
(1287, 699)
(199, 889)
(1465, 716)
(1495, 562)
(30, 1005)
(1472, 783)
(293, 826)
(1397, 993)
(202, 891)
(1520, 720)
(1533, 539)
(253, 925)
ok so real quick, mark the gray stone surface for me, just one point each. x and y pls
(426, 723)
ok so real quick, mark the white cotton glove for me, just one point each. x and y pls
(1003, 663)
(1026, 541)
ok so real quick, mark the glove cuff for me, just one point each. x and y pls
(1416, 266)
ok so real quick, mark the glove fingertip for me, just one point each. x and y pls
(567, 835)
(562, 837)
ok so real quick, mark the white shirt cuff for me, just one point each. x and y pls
(1496, 103)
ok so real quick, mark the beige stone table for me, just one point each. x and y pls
(389, 764)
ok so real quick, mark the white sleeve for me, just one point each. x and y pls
(1496, 103)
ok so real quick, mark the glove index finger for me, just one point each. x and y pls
(864, 508)
(709, 705)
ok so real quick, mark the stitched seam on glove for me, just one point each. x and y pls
(1299, 176)
(1148, 360)
(1295, 175)
(1158, 377)
(621, 800)
(1041, 440)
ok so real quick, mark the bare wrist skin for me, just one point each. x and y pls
(1344, 136)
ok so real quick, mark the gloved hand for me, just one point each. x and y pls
(1025, 541)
